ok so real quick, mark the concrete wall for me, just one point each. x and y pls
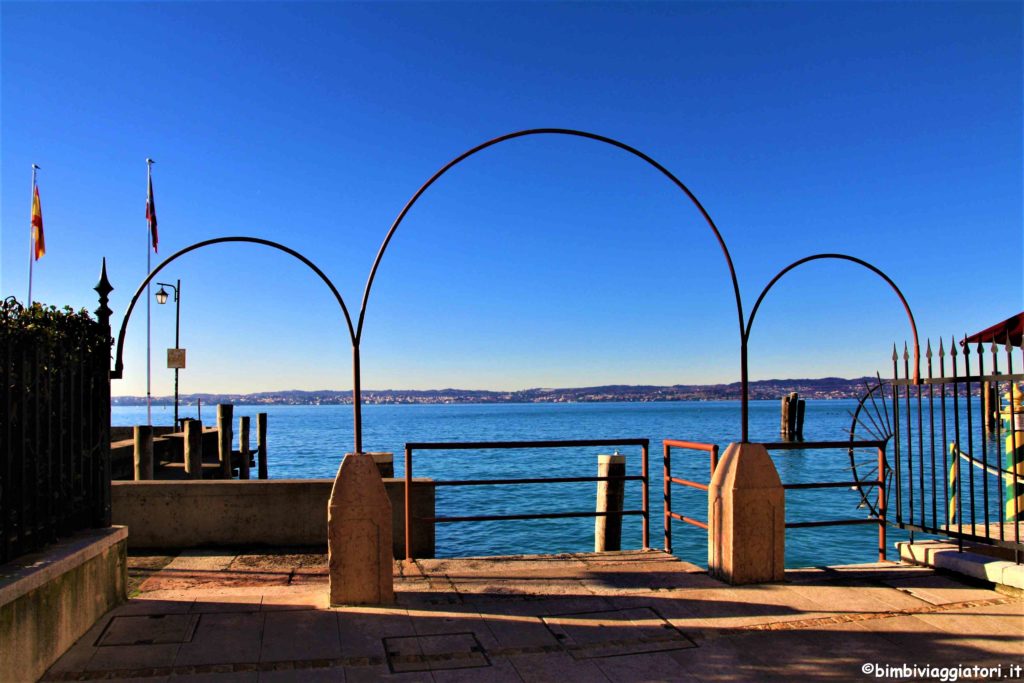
(274, 512)
(49, 599)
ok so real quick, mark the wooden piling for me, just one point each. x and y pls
(143, 452)
(261, 444)
(224, 438)
(194, 449)
(610, 495)
(792, 422)
(243, 446)
(990, 406)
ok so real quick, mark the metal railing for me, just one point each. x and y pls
(668, 445)
(482, 445)
(958, 447)
(860, 484)
(712, 450)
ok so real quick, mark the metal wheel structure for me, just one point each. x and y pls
(871, 421)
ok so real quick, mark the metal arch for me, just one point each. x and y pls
(118, 359)
(851, 259)
(548, 131)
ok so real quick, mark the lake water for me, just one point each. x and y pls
(309, 442)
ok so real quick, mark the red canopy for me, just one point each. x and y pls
(1013, 326)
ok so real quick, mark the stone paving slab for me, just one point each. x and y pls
(634, 616)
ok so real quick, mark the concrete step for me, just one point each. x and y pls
(946, 556)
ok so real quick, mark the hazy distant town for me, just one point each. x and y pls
(824, 388)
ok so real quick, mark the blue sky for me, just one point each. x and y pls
(889, 131)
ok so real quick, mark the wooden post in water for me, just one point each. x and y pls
(610, 495)
(792, 423)
(224, 438)
(990, 406)
(143, 452)
(243, 446)
(194, 449)
(261, 444)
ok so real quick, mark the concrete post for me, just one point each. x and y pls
(359, 535)
(385, 463)
(224, 438)
(610, 495)
(243, 446)
(261, 444)
(143, 452)
(194, 449)
(746, 517)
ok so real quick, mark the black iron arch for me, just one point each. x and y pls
(118, 357)
(852, 259)
(598, 138)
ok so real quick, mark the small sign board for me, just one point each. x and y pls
(176, 359)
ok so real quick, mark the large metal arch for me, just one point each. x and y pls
(597, 138)
(852, 259)
(118, 356)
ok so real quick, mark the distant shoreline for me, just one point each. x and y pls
(773, 389)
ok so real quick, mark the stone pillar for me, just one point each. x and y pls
(746, 517)
(385, 463)
(224, 438)
(194, 449)
(610, 495)
(143, 453)
(360, 558)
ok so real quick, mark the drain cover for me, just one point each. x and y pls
(435, 652)
(613, 633)
(149, 630)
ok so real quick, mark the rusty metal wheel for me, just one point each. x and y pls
(871, 421)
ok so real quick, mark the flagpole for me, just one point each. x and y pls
(149, 229)
(31, 236)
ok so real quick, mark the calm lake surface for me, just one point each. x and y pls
(309, 441)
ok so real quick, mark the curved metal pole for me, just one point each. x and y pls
(590, 136)
(851, 259)
(356, 396)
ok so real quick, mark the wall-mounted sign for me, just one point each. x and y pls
(176, 359)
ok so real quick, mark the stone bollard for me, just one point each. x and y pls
(610, 495)
(261, 444)
(243, 446)
(194, 449)
(385, 463)
(143, 453)
(746, 517)
(224, 438)
(359, 535)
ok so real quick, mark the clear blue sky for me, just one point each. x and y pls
(890, 131)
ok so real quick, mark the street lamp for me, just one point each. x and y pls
(161, 298)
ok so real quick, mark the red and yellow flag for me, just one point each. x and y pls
(38, 241)
(151, 213)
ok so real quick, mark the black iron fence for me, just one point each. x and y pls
(54, 424)
(643, 512)
(957, 442)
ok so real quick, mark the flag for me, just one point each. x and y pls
(39, 243)
(151, 214)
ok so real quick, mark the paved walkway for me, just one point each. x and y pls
(631, 616)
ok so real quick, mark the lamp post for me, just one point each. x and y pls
(161, 298)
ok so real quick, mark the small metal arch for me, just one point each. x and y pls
(118, 357)
(851, 259)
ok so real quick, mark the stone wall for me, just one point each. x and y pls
(274, 512)
(49, 599)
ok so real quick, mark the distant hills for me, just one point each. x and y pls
(824, 388)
